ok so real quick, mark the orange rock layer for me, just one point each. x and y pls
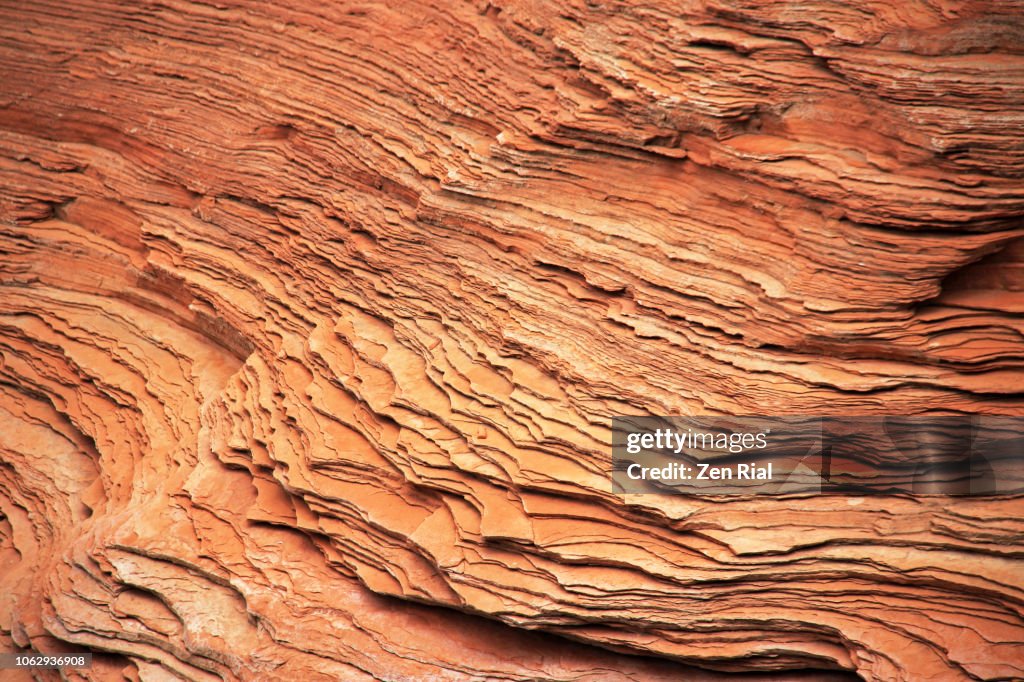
(313, 318)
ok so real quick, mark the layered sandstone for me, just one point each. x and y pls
(313, 320)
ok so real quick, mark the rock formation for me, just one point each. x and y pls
(314, 316)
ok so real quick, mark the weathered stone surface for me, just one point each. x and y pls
(313, 319)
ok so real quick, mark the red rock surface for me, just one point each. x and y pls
(313, 317)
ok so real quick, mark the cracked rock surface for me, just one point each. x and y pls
(314, 316)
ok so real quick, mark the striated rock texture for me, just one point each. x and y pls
(314, 315)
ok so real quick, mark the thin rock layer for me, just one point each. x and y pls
(314, 316)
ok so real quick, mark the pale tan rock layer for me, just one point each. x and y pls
(313, 319)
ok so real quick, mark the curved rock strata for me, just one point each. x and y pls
(313, 320)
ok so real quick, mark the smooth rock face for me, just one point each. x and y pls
(314, 316)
